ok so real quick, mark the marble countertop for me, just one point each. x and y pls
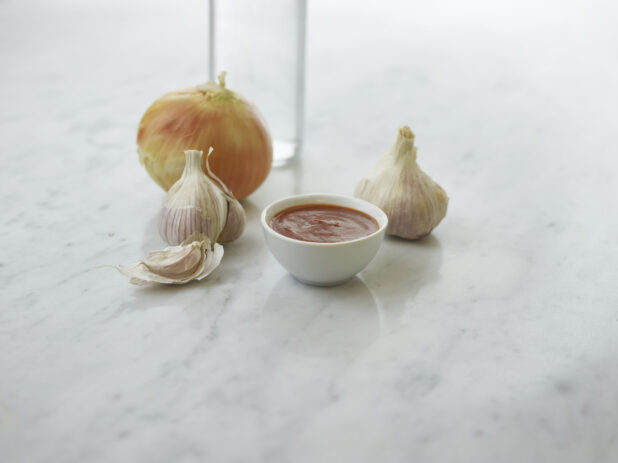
(494, 339)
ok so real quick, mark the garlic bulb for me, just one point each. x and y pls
(199, 117)
(413, 202)
(192, 260)
(195, 204)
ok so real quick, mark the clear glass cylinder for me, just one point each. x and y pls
(261, 46)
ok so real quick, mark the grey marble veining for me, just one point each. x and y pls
(494, 339)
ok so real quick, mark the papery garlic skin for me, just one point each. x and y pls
(195, 204)
(413, 202)
(176, 265)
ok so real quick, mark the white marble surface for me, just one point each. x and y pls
(495, 339)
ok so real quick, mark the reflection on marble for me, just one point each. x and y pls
(399, 271)
(492, 340)
(329, 322)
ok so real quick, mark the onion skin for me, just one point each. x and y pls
(197, 118)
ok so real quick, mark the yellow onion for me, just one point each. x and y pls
(197, 118)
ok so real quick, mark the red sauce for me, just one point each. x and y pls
(323, 223)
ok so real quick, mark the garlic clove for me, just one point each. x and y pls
(176, 265)
(198, 204)
(413, 202)
(235, 223)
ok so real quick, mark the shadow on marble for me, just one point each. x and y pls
(338, 321)
(251, 210)
(399, 272)
(152, 240)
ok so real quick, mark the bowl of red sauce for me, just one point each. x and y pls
(323, 239)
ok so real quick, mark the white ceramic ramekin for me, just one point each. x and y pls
(323, 264)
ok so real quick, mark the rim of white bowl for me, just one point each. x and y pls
(324, 197)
